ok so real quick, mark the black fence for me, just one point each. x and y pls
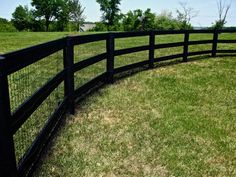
(12, 120)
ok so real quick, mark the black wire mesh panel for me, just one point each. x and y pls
(23, 84)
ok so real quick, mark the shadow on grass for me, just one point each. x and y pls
(125, 74)
(157, 65)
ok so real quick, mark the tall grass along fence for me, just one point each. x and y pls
(37, 87)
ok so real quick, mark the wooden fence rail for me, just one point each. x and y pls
(12, 62)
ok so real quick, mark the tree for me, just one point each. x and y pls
(6, 26)
(48, 9)
(129, 21)
(62, 17)
(165, 21)
(138, 17)
(22, 18)
(148, 21)
(186, 15)
(99, 26)
(223, 10)
(110, 9)
(139, 20)
(76, 13)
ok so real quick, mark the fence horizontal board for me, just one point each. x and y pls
(15, 61)
(163, 32)
(200, 42)
(131, 50)
(85, 63)
(33, 153)
(86, 87)
(226, 41)
(168, 45)
(227, 31)
(199, 53)
(226, 51)
(204, 31)
(131, 66)
(170, 57)
(172, 32)
(130, 34)
(77, 40)
(30, 105)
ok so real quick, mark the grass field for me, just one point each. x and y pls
(174, 120)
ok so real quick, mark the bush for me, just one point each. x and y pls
(100, 27)
(6, 26)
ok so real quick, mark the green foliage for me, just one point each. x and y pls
(138, 20)
(76, 13)
(6, 26)
(184, 24)
(185, 16)
(223, 10)
(49, 10)
(111, 12)
(148, 20)
(129, 21)
(219, 24)
(165, 21)
(22, 18)
(37, 25)
(100, 26)
(63, 16)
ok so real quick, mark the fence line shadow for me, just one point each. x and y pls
(129, 73)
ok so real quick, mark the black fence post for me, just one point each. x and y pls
(151, 49)
(214, 45)
(69, 79)
(186, 41)
(110, 44)
(7, 152)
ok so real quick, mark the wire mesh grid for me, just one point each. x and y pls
(22, 85)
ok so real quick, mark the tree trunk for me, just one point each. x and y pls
(47, 24)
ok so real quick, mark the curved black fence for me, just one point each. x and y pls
(12, 120)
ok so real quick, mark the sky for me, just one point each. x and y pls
(207, 9)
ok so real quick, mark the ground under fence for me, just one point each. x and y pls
(37, 86)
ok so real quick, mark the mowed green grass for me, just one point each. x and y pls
(174, 120)
(171, 121)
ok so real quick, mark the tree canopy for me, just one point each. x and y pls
(223, 10)
(48, 9)
(67, 15)
(21, 18)
(111, 11)
(6, 26)
(76, 11)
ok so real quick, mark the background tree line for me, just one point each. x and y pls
(46, 15)
(68, 15)
(138, 20)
